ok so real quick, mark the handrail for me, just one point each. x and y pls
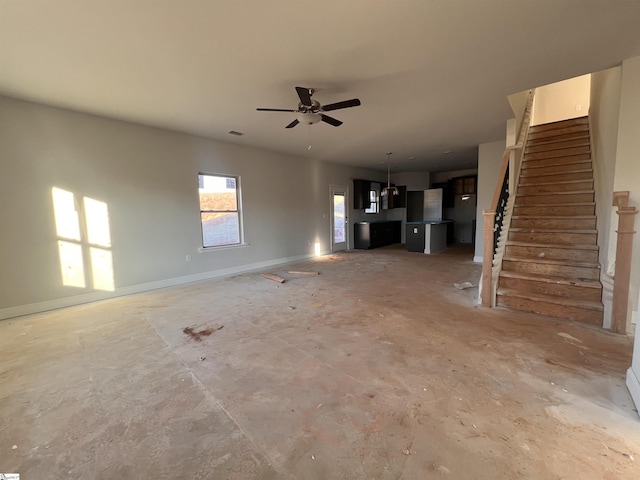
(624, 245)
(493, 218)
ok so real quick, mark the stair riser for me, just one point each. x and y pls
(564, 271)
(567, 168)
(556, 161)
(575, 292)
(556, 187)
(563, 210)
(546, 147)
(560, 177)
(536, 135)
(554, 238)
(554, 199)
(555, 223)
(568, 123)
(561, 152)
(589, 317)
(557, 138)
(550, 253)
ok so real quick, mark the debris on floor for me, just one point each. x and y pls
(202, 359)
(198, 334)
(300, 272)
(275, 278)
(463, 285)
(569, 337)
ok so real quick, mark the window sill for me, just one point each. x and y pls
(222, 247)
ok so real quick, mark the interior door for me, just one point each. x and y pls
(339, 223)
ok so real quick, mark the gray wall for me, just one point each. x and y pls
(148, 179)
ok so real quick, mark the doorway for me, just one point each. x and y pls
(339, 223)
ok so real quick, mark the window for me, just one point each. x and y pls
(219, 210)
(374, 197)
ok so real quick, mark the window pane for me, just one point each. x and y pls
(338, 218)
(217, 193)
(220, 228)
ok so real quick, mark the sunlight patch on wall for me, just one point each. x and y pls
(66, 214)
(101, 269)
(71, 264)
(80, 241)
(97, 219)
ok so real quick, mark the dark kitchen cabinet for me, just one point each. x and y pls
(361, 190)
(464, 185)
(377, 234)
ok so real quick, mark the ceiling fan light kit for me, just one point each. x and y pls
(311, 111)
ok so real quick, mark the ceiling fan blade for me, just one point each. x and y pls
(331, 121)
(305, 96)
(293, 124)
(354, 102)
(274, 110)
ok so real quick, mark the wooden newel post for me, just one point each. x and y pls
(626, 216)
(487, 258)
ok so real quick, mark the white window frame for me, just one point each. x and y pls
(237, 210)
(374, 199)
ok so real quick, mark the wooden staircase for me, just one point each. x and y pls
(550, 265)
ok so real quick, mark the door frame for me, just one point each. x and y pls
(338, 189)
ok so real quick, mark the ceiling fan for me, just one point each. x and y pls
(310, 111)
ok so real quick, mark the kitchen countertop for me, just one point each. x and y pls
(430, 222)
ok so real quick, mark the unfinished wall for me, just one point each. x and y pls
(489, 164)
(603, 116)
(562, 100)
(147, 179)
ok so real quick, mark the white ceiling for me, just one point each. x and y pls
(432, 75)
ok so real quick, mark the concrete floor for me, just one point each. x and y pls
(378, 368)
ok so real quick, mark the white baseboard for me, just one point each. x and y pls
(30, 308)
(633, 384)
(477, 259)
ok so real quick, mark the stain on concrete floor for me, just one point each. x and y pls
(383, 370)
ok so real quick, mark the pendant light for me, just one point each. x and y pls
(389, 189)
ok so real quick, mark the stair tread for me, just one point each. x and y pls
(585, 246)
(584, 304)
(567, 168)
(549, 174)
(557, 182)
(573, 204)
(549, 230)
(546, 194)
(541, 277)
(558, 217)
(551, 261)
(567, 137)
(572, 161)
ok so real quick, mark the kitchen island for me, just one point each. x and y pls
(427, 236)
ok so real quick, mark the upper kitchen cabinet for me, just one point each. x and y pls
(361, 190)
